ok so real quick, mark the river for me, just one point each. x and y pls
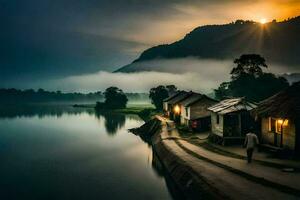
(62, 152)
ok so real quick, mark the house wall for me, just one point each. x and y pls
(289, 134)
(165, 106)
(184, 117)
(199, 109)
(196, 110)
(217, 128)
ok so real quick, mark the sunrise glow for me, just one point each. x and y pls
(263, 21)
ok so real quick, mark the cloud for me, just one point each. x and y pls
(189, 74)
(135, 82)
(61, 38)
(186, 73)
(183, 65)
(208, 67)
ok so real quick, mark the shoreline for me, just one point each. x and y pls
(185, 178)
(199, 173)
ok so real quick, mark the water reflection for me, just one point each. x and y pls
(160, 171)
(47, 110)
(112, 121)
(67, 153)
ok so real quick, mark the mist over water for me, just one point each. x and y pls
(200, 75)
(139, 82)
(189, 74)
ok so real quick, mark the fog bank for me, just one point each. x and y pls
(187, 73)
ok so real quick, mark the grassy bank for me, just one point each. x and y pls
(144, 112)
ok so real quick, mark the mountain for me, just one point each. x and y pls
(278, 42)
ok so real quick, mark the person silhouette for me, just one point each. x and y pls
(251, 141)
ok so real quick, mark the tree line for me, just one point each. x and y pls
(115, 98)
(16, 96)
(248, 80)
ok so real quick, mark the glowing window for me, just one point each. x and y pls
(276, 125)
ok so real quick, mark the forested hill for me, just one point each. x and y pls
(278, 42)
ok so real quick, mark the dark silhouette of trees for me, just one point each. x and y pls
(248, 80)
(115, 98)
(171, 89)
(222, 90)
(157, 95)
(248, 64)
(15, 96)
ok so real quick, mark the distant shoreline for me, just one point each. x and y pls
(144, 111)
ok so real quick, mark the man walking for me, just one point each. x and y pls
(251, 141)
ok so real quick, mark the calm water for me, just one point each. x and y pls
(67, 153)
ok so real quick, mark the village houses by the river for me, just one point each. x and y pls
(275, 120)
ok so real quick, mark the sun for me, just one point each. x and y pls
(263, 21)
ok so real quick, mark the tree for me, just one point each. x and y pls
(248, 80)
(157, 95)
(222, 91)
(171, 89)
(115, 98)
(248, 64)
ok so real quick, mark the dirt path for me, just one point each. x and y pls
(234, 177)
(232, 185)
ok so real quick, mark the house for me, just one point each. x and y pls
(194, 113)
(280, 119)
(231, 120)
(173, 105)
(167, 105)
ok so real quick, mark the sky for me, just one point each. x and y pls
(54, 41)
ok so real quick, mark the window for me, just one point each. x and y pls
(276, 125)
(186, 112)
(218, 119)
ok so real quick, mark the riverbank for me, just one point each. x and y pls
(144, 111)
(199, 172)
(182, 174)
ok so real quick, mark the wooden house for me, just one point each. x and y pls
(166, 102)
(173, 105)
(194, 113)
(280, 119)
(231, 120)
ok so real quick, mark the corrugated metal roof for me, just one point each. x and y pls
(231, 105)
